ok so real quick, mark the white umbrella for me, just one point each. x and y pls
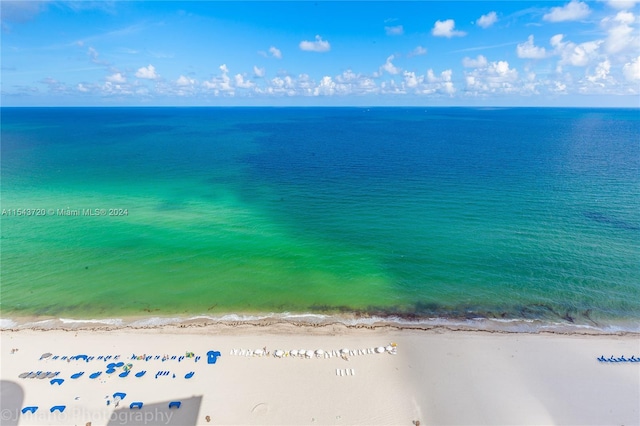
(308, 353)
(278, 353)
(319, 353)
(389, 348)
(293, 352)
(379, 349)
(345, 351)
(258, 352)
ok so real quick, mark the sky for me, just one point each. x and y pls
(314, 53)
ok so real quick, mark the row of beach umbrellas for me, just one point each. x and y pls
(318, 353)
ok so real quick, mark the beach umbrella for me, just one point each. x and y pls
(345, 351)
(258, 352)
(389, 348)
(278, 353)
(45, 355)
(309, 353)
(319, 353)
(293, 352)
(23, 375)
(379, 349)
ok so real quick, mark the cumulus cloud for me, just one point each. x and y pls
(601, 73)
(572, 11)
(116, 78)
(389, 67)
(258, 72)
(620, 33)
(220, 84)
(577, 55)
(419, 50)
(242, 83)
(631, 70)
(148, 72)
(623, 4)
(446, 29)
(485, 21)
(479, 62)
(319, 45)
(528, 50)
(396, 30)
(275, 52)
(183, 81)
(494, 77)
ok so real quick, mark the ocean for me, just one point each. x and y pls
(526, 216)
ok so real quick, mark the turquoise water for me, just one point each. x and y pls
(446, 213)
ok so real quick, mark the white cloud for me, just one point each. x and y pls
(327, 87)
(620, 32)
(485, 21)
(242, 83)
(494, 77)
(258, 72)
(631, 70)
(396, 30)
(185, 81)
(529, 51)
(411, 80)
(147, 73)
(572, 11)
(577, 55)
(82, 88)
(117, 78)
(419, 50)
(479, 62)
(319, 45)
(623, 4)
(601, 73)
(275, 52)
(221, 84)
(389, 67)
(446, 29)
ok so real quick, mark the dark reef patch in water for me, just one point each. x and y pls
(608, 220)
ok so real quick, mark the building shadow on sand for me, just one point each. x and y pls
(158, 413)
(11, 398)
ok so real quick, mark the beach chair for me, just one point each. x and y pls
(77, 375)
(95, 375)
(59, 408)
(56, 381)
(31, 409)
(174, 404)
(189, 375)
(137, 405)
(140, 373)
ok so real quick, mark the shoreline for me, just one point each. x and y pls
(436, 376)
(310, 320)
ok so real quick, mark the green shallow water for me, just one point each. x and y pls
(450, 213)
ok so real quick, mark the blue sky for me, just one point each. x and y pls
(553, 53)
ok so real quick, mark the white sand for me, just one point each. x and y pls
(438, 376)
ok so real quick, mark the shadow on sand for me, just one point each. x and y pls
(158, 414)
(11, 398)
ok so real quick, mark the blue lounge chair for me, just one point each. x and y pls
(63, 358)
(56, 381)
(174, 404)
(212, 357)
(76, 375)
(197, 358)
(140, 373)
(32, 409)
(180, 358)
(58, 408)
(120, 395)
(124, 374)
(137, 405)
(100, 357)
(95, 375)
(108, 357)
(189, 375)
(55, 357)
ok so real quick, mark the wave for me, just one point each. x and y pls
(318, 320)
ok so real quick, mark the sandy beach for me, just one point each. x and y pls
(386, 376)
